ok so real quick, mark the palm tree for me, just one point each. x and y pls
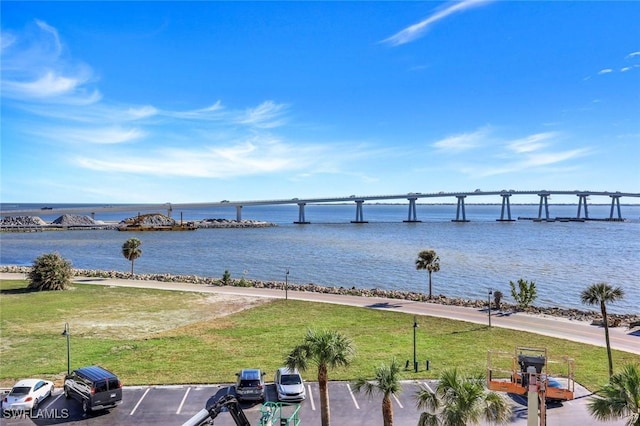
(50, 272)
(325, 349)
(429, 260)
(603, 293)
(620, 398)
(461, 400)
(387, 382)
(131, 250)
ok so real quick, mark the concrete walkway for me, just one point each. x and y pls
(622, 339)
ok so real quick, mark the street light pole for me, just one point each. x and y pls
(415, 359)
(489, 305)
(67, 333)
(286, 285)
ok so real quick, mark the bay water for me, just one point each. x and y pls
(561, 257)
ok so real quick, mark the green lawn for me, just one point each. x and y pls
(167, 337)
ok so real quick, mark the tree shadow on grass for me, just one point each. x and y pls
(23, 290)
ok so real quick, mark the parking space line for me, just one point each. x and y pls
(353, 397)
(313, 405)
(426, 385)
(139, 401)
(54, 400)
(397, 400)
(184, 398)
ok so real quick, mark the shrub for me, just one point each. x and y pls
(226, 277)
(526, 293)
(497, 298)
(50, 272)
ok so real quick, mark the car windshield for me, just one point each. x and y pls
(290, 379)
(20, 390)
(250, 375)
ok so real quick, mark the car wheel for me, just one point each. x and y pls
(35, 404)
(50, 391)
(66, 392)
(85, 406)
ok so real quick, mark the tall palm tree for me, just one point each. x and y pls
(619, 398)
(601, 294)
(461, 400)
(387, 382)
(131, 250)
(325, 349)
(429, 260)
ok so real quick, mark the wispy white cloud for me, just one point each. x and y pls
(34, 69)
(463, 141)
(531, 143)
(97, 135)
(142, 112)
(7, 39)
(633, 55)
(605, 71)
(415, 31)
(517, 156)
(265, 115)
(252, 157)
(54, 34)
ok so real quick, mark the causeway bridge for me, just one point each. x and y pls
(582, 212)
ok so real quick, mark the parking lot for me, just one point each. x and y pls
(173, 405)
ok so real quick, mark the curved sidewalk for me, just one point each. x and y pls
(621, 338)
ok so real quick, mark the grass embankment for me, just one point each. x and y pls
(165, 337)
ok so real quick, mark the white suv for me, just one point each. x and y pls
(289, 385)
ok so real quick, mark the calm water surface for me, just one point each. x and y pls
(561, 257)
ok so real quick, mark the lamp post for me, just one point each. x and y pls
(286, 285)
(67, 333)
(489, 305)
(415, 359)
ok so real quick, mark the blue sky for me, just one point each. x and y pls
(117, 102)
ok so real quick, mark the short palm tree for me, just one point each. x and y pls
(387, 382)
(50, 271)
(325, 349)
(620, 398)
(461, 400)
(429, 260)
(131, 250)
(601, 294)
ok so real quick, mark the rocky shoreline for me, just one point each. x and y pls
(70, 222)
(595, 317)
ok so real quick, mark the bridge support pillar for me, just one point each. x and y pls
(615, 202)
(582, 199)
(238, 213)
(359, 214)
(505, 203)
(460, 209)
(544, 200)
(412, 216)
(301, 219)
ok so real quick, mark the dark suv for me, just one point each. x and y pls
(250, 385)
(95, 387)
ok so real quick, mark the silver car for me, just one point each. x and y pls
(289, 385)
